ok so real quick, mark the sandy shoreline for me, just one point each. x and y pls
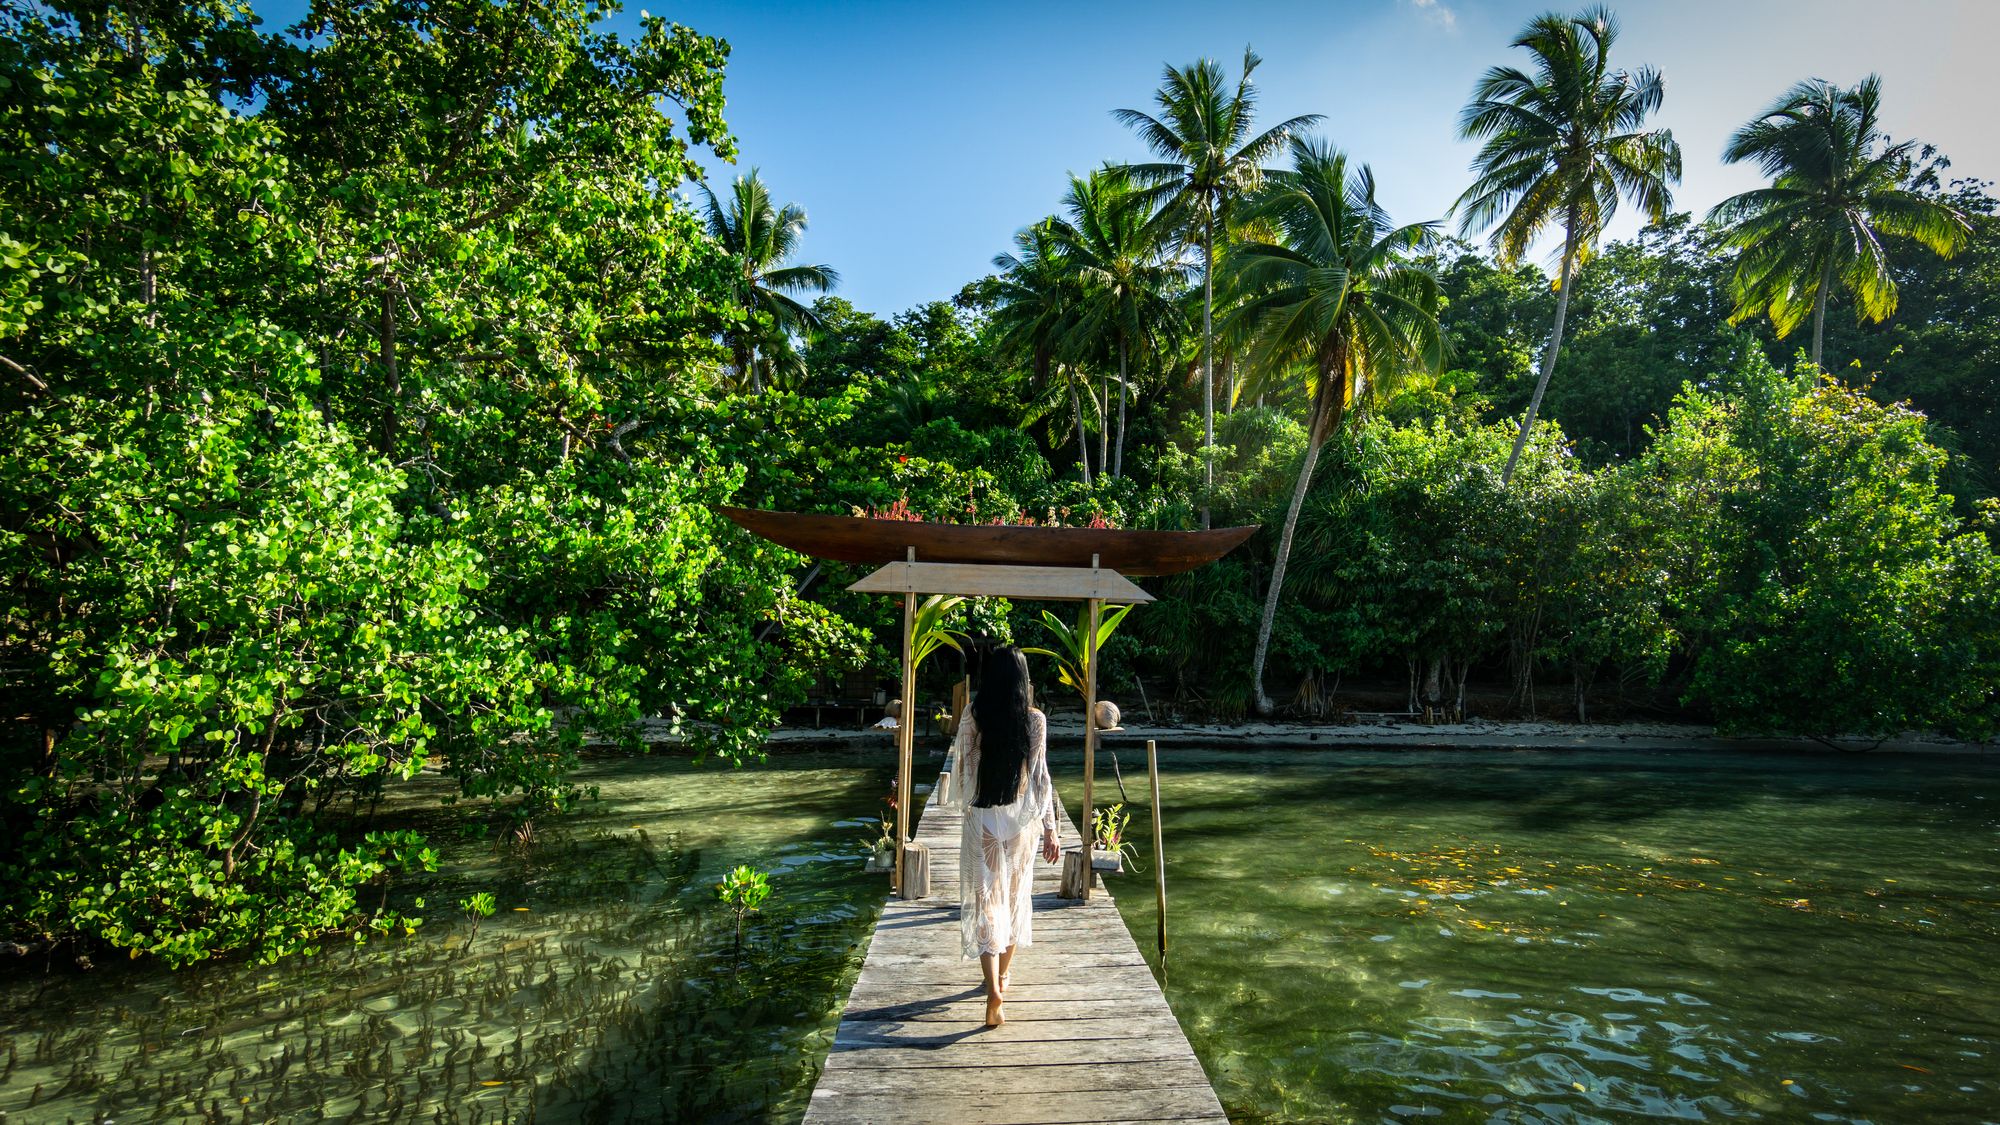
(1386, 734)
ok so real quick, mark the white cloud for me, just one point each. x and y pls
(1438, 14)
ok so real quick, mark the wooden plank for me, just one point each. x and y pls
(1053, 1077)
(1089, 1037)
(986, 580)
(1020, 1107)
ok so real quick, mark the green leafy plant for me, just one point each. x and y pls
(1107, 829)
(884, 837)
(743, 890)
(928, 633)
(476, 907)
(1073, 662)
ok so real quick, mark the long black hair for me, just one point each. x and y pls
(1000, 711)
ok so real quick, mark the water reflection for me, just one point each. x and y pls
(1573, 937)
(604, 989)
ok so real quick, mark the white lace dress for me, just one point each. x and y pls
(996, 858)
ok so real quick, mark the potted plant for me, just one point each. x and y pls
(1110, 848)
(882, 856)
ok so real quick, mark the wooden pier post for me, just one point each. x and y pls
(1159, 850)
(906, 730)
(1087, 826)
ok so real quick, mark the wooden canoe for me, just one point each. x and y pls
(856, 539)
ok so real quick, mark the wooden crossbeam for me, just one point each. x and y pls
(989, 580)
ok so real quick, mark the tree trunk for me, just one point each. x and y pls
(1819, 314)
(1124, 390)
(1082, 442)
(1208, 379)
(1329, 402)
(1104, 430)
(1548, 357)
(391, 376)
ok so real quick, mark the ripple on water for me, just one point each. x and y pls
(1584, 936)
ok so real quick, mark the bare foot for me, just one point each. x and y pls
(994, 1017)
(1003, 983)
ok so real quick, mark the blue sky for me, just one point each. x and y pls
(920, 136)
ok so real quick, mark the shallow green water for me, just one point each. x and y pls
(606, 988)
(1575, 937)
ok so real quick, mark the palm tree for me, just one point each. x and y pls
(1035, 309)
(1125, 275)
(1560, 147)
(760, 236)
(1342, 294)
(1837, 186)
(1208, 159)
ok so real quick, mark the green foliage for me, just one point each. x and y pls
(352, 438)
(929, 633)
(742, 890)
(1073, 661)
(1838, 184)
(1817, 569)
(1107, 833)
(380, 430)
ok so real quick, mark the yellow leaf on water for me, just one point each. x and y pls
(492, 1082)
(1786, 1082)
(1579, 1086)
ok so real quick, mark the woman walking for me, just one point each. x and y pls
(1000, 779)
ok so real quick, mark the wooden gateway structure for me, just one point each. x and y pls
(1091, 1037)
(1086, 564)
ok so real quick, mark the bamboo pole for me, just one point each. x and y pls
(905, 732)
(1159, 851)
(1090, 739)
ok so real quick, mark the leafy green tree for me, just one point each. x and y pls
(1649, 315)
(1343, 295)
(1035, 302)
(1838, 184)
(1208, 160)
(760, 237)
(1126, 277)
(205, 587)
(433, 312)
(1818, 576)
(1941, 352)
(1559, 147)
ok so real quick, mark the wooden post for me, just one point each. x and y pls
(905, 735)
(1090, 735)
(916, 871)
(1159, 851)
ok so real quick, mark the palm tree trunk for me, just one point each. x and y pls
(1104, 429)
(1124, 389)
(1082, 442)
(739, 354)
(1315, 438)
(1548, 357)
(1819, 313)
(1208, 369)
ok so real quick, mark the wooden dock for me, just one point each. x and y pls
(1088, 1037)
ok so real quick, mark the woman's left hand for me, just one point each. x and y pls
(1049, 852)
